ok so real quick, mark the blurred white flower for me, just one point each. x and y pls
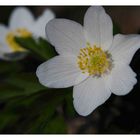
(90, 59)
(22, 24)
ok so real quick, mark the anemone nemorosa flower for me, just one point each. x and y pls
(90, 59)
(21, 24)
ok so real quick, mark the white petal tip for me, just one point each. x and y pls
(39, 74)
(49, 13)
(20, 10)
(81, 111)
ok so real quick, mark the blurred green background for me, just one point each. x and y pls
(26, 107)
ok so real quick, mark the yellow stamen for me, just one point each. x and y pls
(11, 41)
(93, 60)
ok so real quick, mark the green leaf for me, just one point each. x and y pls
(8, 67)
(37, 110)
(38, 124)
(19, 85)
(56, 126)
(7, 119)
(9, 91)
(116, 29)
(40, 47)
(46, 50)
(27, 81)
(69, 108)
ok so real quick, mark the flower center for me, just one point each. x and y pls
(10, 38)
(94, 61)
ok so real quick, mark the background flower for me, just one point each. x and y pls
(21, 24)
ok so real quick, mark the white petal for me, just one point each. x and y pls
(89, 94)
(124, 47)
(4, 49)
(60, 72)
(40, 24)
(122, 79)
(67, 36)
(3, 46)
(98, 27)
(21, 17)
(3, 32)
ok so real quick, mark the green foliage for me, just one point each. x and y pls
(116, 29)
(69, 108)
(40, 47)
(25, 105)
(10, 68)
(36, 113)
(23, 84)
(56, 126)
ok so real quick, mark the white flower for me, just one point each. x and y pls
(23, 24)
(90, 59)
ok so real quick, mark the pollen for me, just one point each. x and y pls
(94, 61)
(10, 39)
